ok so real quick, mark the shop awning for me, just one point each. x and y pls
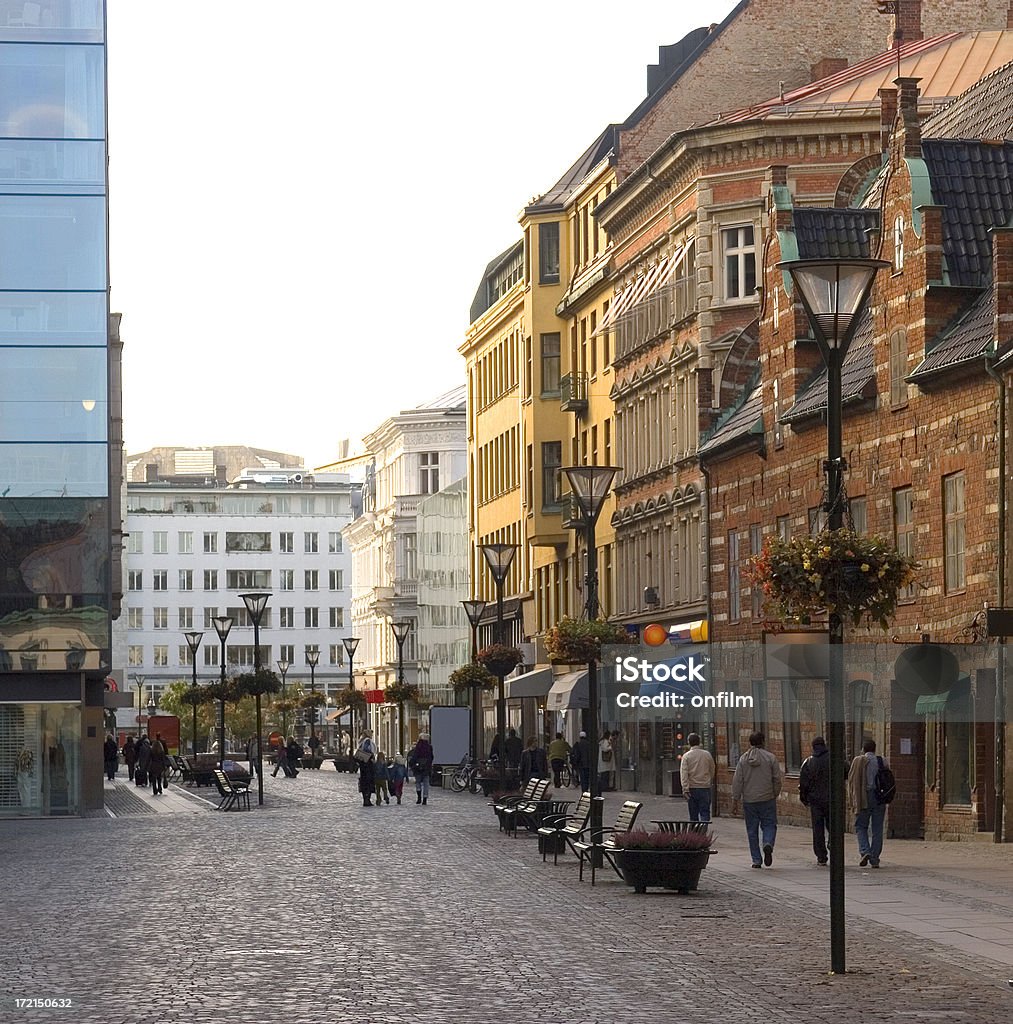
(333, 716)
(568, 691)
(531, 684)
(933, 703)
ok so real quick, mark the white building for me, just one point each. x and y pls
(414, 454)
(192, 549)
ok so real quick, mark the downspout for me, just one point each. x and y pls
(1000, 682)
(706, 570)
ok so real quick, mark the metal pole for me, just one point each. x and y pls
(476, 705)
(400, 703)
(260, 729)
(835, 682)
(597, 800)
(501, 696)
(193, 659)
(351, 707)
(221, 715)
(140, 697)
(313, 710)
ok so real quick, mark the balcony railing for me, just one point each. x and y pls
(572, 516)
(573, 392)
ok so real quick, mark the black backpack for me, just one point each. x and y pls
(886, 785)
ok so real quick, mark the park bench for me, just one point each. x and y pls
(235, 795)
(500, 805)
(534, 815)
(176, 768)
(508, 816)
(198, 774)
(557, 831)
(602, 844)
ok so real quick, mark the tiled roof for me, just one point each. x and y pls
(556, 197)
(984, 111)
(947, 65)
(833, 232)
(969, 337)
(973, 182)
(738, 424)
(856, 376)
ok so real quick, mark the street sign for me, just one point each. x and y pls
(374, 696)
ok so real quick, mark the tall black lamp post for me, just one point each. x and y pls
(351, 644)
(475, 609)
(313, 659)
(498, 557)
(832, 293)
(283, 666)
(139, 683)
(222, 624)
(255, 605)
(193, 640)
(590, 486)
(401, 630)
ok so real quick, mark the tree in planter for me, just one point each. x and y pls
(578, 641)
(499, 659)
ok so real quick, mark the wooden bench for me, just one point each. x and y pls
(533, 816)
(510, 813)
(556, 833)
(235, 795)
(503, 803)
(603, 843)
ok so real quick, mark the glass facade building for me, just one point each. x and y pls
(55, 372)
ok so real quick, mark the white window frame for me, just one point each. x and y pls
(741, 251)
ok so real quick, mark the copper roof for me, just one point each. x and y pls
(947, 65)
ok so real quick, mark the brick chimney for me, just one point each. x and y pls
(1009, 15)
(887, 116)
(1002, 282)
(826, 67)
(907, 23)
(907, 108)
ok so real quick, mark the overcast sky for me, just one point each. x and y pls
(303, 196)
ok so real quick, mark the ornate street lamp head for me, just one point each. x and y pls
(474, 610)
(223, 625)
(590, 486)
(351, 643)
(401, 630)
(313, 656)
(255, 605)
(193, 640)
(499, 557)
(283, 666)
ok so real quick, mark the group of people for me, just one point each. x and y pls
(385, 778)
(147, 760)
(287, 759)
(531, 760)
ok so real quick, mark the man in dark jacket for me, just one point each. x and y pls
(814, 792)
(513, 748)
(580, 758)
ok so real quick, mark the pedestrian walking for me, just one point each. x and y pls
(293, 754)
(280, 761)
(559, 751)
(398, 772)
(365, 755)
(534, 763)
(814, 792)
(757, 782)
(157, 763)
(252, 754)
(381, 777)
(514, 748)
(580, 761)
(604, 762)
(870, 814)
(130, 757)
(143, 759)
(111, 754)
(165, 759)
(420, 761)
(314, 746)
(696, 771)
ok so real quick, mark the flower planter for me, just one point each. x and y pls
(666, 869)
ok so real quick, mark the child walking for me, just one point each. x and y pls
(381, 775)
(398, 772)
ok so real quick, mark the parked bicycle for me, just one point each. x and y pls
(466, 775)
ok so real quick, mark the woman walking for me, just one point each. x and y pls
(365, 754)
(157, 763)
(143, 757)
(420, 760)
(130, 757)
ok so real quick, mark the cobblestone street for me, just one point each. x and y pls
(314, 909)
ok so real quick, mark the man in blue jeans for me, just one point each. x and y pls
(870, 813)
(757, 782)
(696, 771)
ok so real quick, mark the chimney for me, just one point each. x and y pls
(221, 476)
(910, 127)
(151, 472)
(827, 67)
(1002, 282)
(887, 116)
(1009, 15)
(907, 23)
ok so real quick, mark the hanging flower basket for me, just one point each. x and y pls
(472, 674)
(402, 693)
(578, 641)
(838, 570)
(253, 684)
(499, 659)
(312, 700)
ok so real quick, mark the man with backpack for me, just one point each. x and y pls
(872, 787)
(814, 792)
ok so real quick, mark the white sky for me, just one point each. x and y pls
(303, 196)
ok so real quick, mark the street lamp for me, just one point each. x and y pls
(222, 624)
(313, 659)
(193, 640)
(401, 630)
(255, 605)
(475, 609)
(590, 486)
(498, 558)
(832, 293)
(139, 683)
(283, 666)
(351, 643)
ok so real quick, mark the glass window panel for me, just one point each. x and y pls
(53, 394)
(52, 20)
(54, 470)
(53, 318)
(52, 91)
(52, 242)
(52, 162)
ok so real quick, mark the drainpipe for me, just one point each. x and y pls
(1000, 682)
(706, 570)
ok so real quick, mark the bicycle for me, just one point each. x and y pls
(461, 778)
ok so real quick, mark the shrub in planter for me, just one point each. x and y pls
(671, 860)
(402, 693)
(472, 674)
(838, 570)
(499, 659)
(578, 641)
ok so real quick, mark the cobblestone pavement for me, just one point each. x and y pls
(315, 909)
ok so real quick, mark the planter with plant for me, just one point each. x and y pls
(402, 693)
(473, 674)
(578, 641)
(499, 659)
(836, 570)
(669, 860)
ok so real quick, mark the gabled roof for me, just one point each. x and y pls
(946, 65)
(833, 232)
(968, 338)
(556, 197)
(740, 423)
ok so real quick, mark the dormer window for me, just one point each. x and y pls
(898, 243)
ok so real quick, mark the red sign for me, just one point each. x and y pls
(374, 697)
(168, 727)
